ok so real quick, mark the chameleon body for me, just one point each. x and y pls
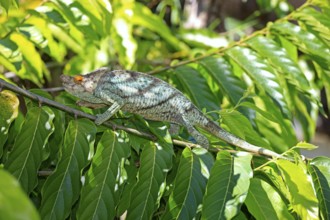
(149, 97)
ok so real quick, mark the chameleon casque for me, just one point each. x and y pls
(149, 97)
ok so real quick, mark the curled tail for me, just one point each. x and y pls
(217, 131)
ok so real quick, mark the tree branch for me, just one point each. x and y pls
(77, 113)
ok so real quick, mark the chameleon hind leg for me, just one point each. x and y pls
(200, 139)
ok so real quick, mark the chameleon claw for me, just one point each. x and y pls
(99, 120)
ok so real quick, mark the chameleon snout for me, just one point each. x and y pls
(64, 78)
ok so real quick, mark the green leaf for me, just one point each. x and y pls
(14, 204)
(273, 115)
(321, 3)
(37, 30)
(132, 171)
(60, 28)
(280, 60)
(189, 187)
(305, 146)
(307, 42)
(221, 72)
(305, 116)
(27, 154)
(8, 112)
(10, 56)
(89, 9)
(61, 189)
(316, 21)
(122, 33)
(159, 129)
(280, 134)
(99, 195)
(262, 74)
(31, 57)
(325, 75)
(80, 27)
(7, 4)
(303, 199)
(196, 87)
(272, 175)
(151, 177)
(54, 140)
(319, 168)
(276, 129)
(228, 185)
(239, 125)
(141, 15)
(264, 202)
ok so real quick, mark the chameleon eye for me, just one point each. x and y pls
(78, 79)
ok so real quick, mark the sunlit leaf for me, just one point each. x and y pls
(306, 146)
(262, 74)
(316, 21)
(272, 174)
(79, 25)
(228, 186)
(10, 56)
(31, 57)
(307, 42)
(303, 199)
(280, 60)
(141, 15)
(124, 42)
(264, 202)
(37, 30)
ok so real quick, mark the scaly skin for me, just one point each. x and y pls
(149, 97)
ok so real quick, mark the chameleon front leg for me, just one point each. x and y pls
(100, 118)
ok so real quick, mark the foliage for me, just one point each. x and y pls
(254, 87)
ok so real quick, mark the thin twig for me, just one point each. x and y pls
(53, 89)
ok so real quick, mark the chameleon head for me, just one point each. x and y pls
(82, 85)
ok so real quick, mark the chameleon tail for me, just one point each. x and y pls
(217, 131)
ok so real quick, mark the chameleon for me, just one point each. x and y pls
(150, 97)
